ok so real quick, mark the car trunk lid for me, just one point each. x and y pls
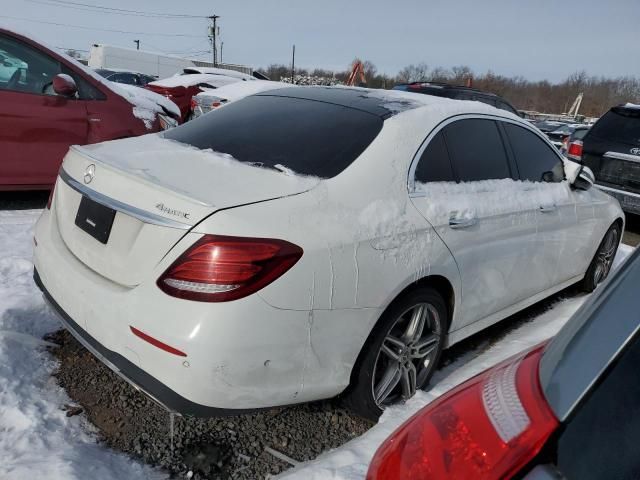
(159, 189)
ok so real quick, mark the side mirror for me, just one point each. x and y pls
(585, 179)
(64, 85)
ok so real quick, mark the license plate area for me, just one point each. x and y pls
(95, 219)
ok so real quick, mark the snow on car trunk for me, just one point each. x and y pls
(160, 189)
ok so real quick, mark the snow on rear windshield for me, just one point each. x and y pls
(308, 137)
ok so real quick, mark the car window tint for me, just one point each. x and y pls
(505, 106)
(86, 91)
(537, 162)
(309, 137)
(601, 439)
(434, 164)
(579, 134)
(619, 126)
(476, 150)
(25, 69)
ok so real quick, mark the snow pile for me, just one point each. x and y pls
(238, 90)
(351, 461)
(213, 79)
(146, 104)
(299, 79)
(37, 440)
(489, 197)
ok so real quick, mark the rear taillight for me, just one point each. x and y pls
(193, 103)
(220, 268)
(574, 152)
(487, 428)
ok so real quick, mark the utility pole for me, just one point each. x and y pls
(221, 47)
(293, 63)
(137, 42)
(212, 34)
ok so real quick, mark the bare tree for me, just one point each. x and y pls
(413, 73)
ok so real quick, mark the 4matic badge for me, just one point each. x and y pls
(172, 211)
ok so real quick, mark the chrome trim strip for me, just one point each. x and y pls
(623, 156)
(615, 190)
(142, 215)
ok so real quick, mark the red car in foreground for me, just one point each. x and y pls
(568, 410)
(48, 102)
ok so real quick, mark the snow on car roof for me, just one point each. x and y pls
(195, 79)
(239, 90)
(383, 103)
(215, 71)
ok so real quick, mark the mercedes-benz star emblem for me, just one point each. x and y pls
(89, 173)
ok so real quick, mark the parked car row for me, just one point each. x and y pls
(302, 243)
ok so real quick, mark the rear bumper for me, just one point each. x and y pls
(629, 201)
(131, 373)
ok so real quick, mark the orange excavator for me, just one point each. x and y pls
(357, 70)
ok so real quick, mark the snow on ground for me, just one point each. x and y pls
(351, 461)
(38, 440)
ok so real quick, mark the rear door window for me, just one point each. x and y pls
(622, 125)
(309, 137)
(476, 150)
(537, 162)
(434, 164)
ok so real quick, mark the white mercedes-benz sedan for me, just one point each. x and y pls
(312, 241)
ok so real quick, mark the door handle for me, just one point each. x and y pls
(548, 208)
(462, 222)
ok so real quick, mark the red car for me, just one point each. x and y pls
(181, 88)
(48, 102)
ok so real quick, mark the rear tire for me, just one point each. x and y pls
(400, 355)
(603, 260)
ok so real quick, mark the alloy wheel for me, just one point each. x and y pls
(407, 355)
(605, 256)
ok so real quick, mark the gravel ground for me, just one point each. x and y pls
(215, 448)
(232, 447)
(222, 448)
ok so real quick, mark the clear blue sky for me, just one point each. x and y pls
(538, 39)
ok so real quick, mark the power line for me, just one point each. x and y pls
(111, 10)
(102, 29)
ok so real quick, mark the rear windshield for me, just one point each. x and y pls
(306, 136)
(619, 126)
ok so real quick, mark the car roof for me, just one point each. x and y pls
(195, 79)
(382, 103)
(447, 86)
(216, 71)
(591, 340)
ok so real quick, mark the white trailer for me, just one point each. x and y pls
(150, 63)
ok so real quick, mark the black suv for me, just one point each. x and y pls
(612, 150)
(457, 92)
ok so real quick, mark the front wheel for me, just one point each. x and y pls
(601, 264)
(401, 354)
